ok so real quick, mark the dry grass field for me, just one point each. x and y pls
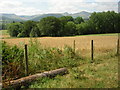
(101, 43)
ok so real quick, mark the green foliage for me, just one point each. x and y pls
(98, 23)
(70, 29)
(69, 18)
(12, 59)
(104, 68)
(105, 22)
(50, 58)
(14, 29)
(3, 26)
(27, 27)
(35, 32)
(103, 73)
(78, 20)
(49, 26)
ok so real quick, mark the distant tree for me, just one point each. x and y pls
(117, 25)
(82, 28)
(105, 22)
(49, 26)
(63, 21)
(14, 29)
(78, 20)
(69, 18)
(35, 32)
(27, 27)
(86, 28)
(70, 29)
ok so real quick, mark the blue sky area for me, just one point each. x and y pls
(32, 7)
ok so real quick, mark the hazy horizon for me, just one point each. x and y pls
(33, 7)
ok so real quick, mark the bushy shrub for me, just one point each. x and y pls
(12, 61)
(50, 58)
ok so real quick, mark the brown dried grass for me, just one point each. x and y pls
(83, 43)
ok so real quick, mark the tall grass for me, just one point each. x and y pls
(42, 59)
(12, 62)
(39, 59)
(102, 73)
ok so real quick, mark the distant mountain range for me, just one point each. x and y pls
(13, 17)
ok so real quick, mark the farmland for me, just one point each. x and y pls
(102, 42)
(102, 73)
(106, 41)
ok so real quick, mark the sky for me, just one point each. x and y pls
(33, 7)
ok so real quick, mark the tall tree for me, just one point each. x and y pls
(35, 32)
(49, 26)
(14, 29)
(78, 20)
(70, 29)
(28, 25)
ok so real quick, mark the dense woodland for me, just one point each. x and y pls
(101, 22)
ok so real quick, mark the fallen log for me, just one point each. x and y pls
(23, 81)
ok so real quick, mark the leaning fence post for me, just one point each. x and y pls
(118, 46)
(26, 61)
(74, 46)
(92, 50)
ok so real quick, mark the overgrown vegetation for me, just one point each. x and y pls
(40, 59)
(98, 23)
(12, 62)
(102, 73)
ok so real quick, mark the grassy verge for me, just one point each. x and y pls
(102, 73)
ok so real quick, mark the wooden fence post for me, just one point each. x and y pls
(74, 46)
(118, 47)
(26, 61)
(92, 50)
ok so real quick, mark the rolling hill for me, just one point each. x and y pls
(10, 17)
(13, 17)
(38, 17)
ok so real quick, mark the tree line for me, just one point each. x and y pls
(101, 22)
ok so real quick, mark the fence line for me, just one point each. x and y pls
(26, 61)
(74, 46)
(92, 51)
(118, 47)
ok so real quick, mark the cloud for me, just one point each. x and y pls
(17, 8)
(77, 6)
(105, 6)
(106, 0)
(31, 7)
(9, 4)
